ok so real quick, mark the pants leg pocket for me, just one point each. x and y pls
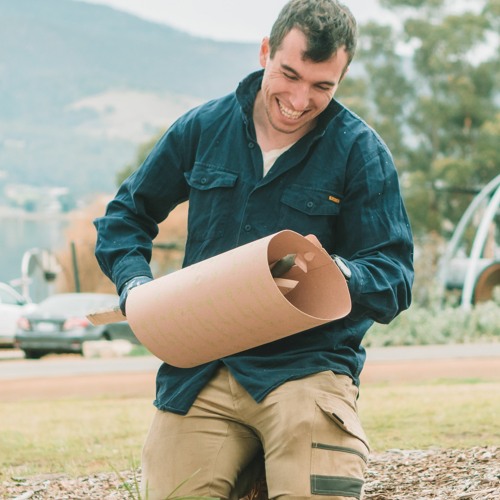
(339, 450)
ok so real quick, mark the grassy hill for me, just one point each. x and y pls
(81, 85)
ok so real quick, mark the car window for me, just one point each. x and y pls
(8, 298)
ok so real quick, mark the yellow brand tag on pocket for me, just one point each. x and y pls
(334, 199)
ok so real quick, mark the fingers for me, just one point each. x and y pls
(312, 238)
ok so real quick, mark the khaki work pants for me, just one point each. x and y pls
(307, 430)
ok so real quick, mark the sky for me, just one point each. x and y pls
(227, 20)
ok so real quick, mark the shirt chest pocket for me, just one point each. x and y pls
(210, 200)
(309, 210)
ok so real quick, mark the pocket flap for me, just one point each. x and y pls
(203, 178)
(311, 201)
(344, 416)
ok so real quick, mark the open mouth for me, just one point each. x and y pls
(290, 113)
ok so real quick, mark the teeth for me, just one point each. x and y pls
(288, 113)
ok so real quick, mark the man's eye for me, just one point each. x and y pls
(290, 77)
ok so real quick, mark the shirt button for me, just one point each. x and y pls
(248, 227)
(251, 145)
(203, 180)
(310, 204)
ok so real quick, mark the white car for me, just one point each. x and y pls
(12, 306)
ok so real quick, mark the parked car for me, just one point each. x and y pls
(12, 306)
(59, 325)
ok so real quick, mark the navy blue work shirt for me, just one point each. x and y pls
(338, 182)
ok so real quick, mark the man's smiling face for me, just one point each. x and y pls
(296, 90)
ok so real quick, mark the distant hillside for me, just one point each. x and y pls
(81, 85)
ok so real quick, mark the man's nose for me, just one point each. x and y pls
(300, 97)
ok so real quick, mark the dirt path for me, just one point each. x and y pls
(141, 384)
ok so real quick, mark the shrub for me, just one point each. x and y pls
(427, 326)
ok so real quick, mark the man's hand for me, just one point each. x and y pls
(313, 239)
(341, 263)
(132, 283)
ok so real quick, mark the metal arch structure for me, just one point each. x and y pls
(39, 268)
(475, 270)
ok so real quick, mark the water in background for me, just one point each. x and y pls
(21, 232)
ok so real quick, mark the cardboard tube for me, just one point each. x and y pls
(231, 302)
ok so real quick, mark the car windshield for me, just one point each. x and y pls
(77, 304)
(9, 296)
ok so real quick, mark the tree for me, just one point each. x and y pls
(454, 75)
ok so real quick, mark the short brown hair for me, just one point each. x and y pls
(327, 24)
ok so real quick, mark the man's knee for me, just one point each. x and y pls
(328, 455)
(206, 457)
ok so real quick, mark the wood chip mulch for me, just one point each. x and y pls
(434, 474)
(472, 474)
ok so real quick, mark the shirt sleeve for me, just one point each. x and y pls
(126, 232)
(374, 235)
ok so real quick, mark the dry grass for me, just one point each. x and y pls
(444, 414)
(86, 436)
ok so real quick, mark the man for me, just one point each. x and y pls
(279, 153)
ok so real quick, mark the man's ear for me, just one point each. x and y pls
(264, 51)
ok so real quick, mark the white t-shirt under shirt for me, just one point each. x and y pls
(271, 156)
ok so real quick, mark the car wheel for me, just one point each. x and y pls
(33, 354)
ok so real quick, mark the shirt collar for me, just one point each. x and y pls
(247, 92)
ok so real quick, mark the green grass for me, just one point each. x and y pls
(83, 436)
(442, 414)
(76, 436)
